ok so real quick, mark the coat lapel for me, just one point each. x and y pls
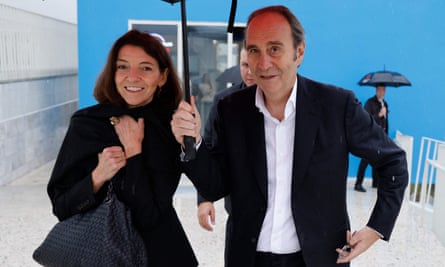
(306, 126)
(256, 146)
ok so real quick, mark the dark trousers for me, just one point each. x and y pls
(361, 173)
(267, 259)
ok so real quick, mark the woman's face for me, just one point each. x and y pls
(137, 76)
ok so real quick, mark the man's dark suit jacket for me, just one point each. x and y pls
(209, 128)
(330, 123)
(209, 141)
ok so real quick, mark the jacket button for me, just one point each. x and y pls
(253, 239)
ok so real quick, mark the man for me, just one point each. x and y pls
(378, 108)
(281, 152)
(206, 210)
(247, 80)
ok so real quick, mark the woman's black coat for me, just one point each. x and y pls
(146, 184)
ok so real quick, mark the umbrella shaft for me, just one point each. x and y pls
(185, 52)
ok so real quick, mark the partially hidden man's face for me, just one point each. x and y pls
(380, 92)
(272, 57)
(246, 75)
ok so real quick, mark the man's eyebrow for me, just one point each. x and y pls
(275, 43)
(279, 43)
(250, 47)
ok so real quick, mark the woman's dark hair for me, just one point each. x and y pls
(295, 25)
(168, 96)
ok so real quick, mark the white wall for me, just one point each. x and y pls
(38, 89)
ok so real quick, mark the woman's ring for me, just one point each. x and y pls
(114, 120)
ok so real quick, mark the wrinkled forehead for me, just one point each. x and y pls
(267, 27)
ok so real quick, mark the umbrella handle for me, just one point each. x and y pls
(190, 150)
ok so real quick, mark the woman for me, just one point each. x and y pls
(126, 139)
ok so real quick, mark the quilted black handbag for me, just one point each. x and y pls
(104, 236)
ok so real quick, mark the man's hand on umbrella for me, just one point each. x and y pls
(186, 121)
(382, 112)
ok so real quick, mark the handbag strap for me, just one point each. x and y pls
(109, 192)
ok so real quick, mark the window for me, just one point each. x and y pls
(211, 50)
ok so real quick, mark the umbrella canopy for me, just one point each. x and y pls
(387, 78)
(230, 75)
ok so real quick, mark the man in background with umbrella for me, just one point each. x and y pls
(377, 107)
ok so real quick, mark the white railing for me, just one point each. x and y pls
(420, 195)
(406, 143)
(439, 194)
(34, 46)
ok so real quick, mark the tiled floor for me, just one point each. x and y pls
(26, 217)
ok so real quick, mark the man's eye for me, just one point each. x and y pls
(275, 50)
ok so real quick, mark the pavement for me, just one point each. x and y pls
(26, 218)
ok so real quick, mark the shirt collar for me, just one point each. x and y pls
(290, 105)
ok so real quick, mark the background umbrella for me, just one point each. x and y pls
(230, 75)
(387, 78)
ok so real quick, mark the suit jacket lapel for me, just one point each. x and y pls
(256, 143)
(306, 126)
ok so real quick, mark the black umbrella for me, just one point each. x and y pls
(230, 75)
(189, 142)
(387, 78)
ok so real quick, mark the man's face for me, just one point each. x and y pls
(246, 75)
(272, 57)
(380, 91)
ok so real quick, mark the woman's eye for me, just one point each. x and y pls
(121, 67)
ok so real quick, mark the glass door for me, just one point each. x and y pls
(211, 51)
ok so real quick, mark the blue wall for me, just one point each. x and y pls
(344, 40)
